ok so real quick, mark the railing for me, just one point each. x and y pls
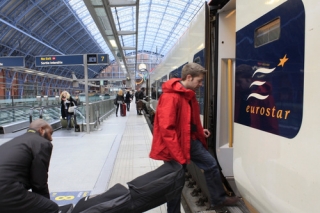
(98, 111)
(19, 117)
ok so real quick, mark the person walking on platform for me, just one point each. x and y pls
(128, 100)
(66, 102)
(178, 134)
(136, 94)
(139, 100)
(24, 165)
(118, 101)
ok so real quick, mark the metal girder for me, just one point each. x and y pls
(30, 36)
(147, 23)
(123, 5)
(128, 48)
(116, 48)
(126, 32)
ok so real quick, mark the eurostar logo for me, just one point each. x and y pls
(283, 60)
(261, 83)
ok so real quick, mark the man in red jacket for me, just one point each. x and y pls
(178, 133)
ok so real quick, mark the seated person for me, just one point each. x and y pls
(24, 164)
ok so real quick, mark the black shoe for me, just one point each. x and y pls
(116, 115)
(68, 128)
(230, 201)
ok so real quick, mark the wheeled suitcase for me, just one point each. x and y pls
(139, 105)
(116, 199)
(123, 109)
(156, 187)
(64, 122)
(66, 208)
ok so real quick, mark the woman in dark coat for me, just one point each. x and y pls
(128, 99)
(119, 100)
(66, 102)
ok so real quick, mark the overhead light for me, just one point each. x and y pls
(142, 67)
(113, 43)
(41, 73)
(28, 71)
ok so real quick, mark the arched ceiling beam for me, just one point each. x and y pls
(30, 36)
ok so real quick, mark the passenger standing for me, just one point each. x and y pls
(178, 133)
(128, 100)
(66, 102)
(24, 165)
(139, 99)
(136, 94)
(119, 100)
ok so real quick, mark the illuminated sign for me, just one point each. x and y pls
(17, 61)
(103, 59)
(71, 60)
(59, 60)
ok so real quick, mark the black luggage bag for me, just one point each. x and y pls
(116, 199)
(156, 187)
(145, 192)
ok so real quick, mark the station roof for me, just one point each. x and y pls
(120, 28)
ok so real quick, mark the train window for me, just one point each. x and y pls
(267, 33)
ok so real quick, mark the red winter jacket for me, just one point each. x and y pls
(172, 123)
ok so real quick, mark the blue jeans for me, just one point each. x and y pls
(204, 160)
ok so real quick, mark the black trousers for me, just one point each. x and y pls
(14, 198)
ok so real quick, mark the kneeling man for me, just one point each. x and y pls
(24, 164)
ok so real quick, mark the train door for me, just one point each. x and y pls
(222, 57)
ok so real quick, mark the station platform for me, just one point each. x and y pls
(86, 164)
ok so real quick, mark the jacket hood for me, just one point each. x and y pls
(174, 86)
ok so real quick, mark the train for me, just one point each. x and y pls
(259, 99)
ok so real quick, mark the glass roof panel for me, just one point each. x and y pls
(161, 23)
(81, 10)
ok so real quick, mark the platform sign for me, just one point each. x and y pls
(103, 59)
(59, 60)
(12, 61)
(64, 198)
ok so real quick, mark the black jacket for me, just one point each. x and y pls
(25, 159)
(72, 102)
(128, 98)
(140, 95)
(119, 98)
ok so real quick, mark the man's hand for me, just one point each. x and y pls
(206, 133)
